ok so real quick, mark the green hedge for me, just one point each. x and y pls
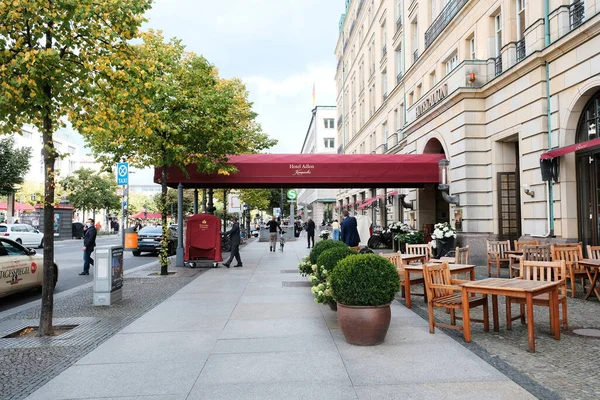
(322, 246)
(330, 257)
(364, 280)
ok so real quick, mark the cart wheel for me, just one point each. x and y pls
(215, 264)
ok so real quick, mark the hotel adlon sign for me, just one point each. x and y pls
(432, 99)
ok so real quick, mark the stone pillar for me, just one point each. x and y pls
(179, 255)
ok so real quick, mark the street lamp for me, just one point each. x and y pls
(444, 187)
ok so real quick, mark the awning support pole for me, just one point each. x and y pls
(195, 201)
(210, 208)
(179, 255)
(204, 200)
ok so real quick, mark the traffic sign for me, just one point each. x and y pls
(125, 204)
(123, 173)
(292, 194)
(120, 192)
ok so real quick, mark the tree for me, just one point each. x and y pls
(88, 190)
(15, 164)
(257, 198)
(163, 107)
(50, 54)
(188, 201)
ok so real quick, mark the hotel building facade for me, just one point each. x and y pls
(492, 85)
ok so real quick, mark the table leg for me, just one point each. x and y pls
(530, 324)
(554, 305)
(495, 312)
(466, 315)
(407, 288)
(472, 277)
(552, 311)
(593, 281)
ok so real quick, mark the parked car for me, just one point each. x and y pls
(20, 268)
(23, 234)
(149, 239)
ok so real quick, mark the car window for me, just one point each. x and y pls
(3, 229)
(17, 228)
(12, 249)
(29, 228)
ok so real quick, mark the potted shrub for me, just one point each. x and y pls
(443, 237)
(321, 246)
(324, 235)
(364, 285)
(319, 278)
(410, 237)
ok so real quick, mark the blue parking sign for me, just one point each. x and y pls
(123, 173)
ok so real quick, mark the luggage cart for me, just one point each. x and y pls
(203, 240)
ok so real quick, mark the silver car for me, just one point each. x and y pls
(23, 234)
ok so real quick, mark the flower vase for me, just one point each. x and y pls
(443, 247)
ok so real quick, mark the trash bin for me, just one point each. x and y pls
(131, 239)
(77, 230)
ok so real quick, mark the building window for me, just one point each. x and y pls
(384, 85)
(419, 91)
(72, 166)
(398, 59)
(498, 33)
(385, 137)
(415, 40)
(398, 14)
(329, 143)
(71, 150)
(433, 15)
(451, 63)
(411, 99)
(329, 123)
(433, 79)
(27, 135)
(472, 48)
(520, 30)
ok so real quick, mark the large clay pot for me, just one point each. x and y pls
(443, 247)
(364, 326)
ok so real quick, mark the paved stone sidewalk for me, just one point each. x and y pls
(256, 333)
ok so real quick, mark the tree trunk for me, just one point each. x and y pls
(49, 153)
(164, 259)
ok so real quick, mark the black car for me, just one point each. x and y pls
(149, 239)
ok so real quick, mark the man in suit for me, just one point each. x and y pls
(349, 227)
(310, 231)
(89, 243)
(234, 234)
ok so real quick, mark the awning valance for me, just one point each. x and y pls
(561, 151)
(315, 171)
(391, 194)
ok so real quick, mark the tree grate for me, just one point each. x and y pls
(296, 284)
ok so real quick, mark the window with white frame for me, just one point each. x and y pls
(472, 48)
(498, 33)
(520, 19)
(384, 88)
(373, 141)
(398, 11)
(329, 143)
(385, 135)
(398, 59)
(451, 62)
(433, 14)
(329, 123)
(432, 78)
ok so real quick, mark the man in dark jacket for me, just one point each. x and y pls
(234, 234)
(89, 243)
(349, 230)
(310, 231)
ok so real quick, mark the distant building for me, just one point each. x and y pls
(321, 138)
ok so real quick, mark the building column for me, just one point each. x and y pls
(179, 254)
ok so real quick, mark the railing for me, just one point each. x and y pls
(352, 28)
(399, 23)
(340, 120)
(576, 14)
(415, 56)
(338, 64)
(498, 65)
(359, 8)
(345, 45)
(384, 50)
(440, 23)
(385, 96)
(521, 50)
(398, 78)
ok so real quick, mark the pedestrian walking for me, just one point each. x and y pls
(310, 232)
(349, 228)
(89, 243)
(335, 227)
(234, 235)
(273, 226)
(137, 226)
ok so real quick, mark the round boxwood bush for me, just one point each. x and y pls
(322, 246)
(364, 280)
(330, 257)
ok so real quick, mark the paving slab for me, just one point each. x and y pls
(474, 390)
(275, 344)
(261, 391)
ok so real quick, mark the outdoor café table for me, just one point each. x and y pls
(414, 257)
(418, 269)
(591, 264)
(521, 288)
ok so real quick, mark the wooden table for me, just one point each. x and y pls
(407, 258)
(591, 264)
(525, 289)
(418, 269)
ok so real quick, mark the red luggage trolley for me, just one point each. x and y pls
(203, 239)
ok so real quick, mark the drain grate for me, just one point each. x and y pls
(296, 284)
(289, 271)
(589, 332)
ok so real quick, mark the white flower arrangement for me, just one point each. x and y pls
(443, 231)
(324, 234)
(399, 227)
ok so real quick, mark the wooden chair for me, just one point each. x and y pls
(496, 256)
(442, 292)
(540, 252)
(357, 248)
(570, 253)
(461, 256)
(519, 245)
(396, 259)
(543, 271)
(419, 249)
(593, 252)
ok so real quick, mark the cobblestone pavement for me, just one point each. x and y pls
(563, 369)
(27, 364)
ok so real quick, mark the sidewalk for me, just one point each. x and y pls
(256, 333)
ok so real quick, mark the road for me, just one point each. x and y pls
(69, 257)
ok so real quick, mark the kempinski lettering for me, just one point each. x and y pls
(438, 95)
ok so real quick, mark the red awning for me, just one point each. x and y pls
(367, 203)
(561, 151)
(18, 206)
(395, 192)
(147, 216)
(315, 171)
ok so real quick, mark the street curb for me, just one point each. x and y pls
(66, 293)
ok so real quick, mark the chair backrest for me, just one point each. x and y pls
(396, 259)
(436, 274)
(498, 247)
(545, 271)
(519, 245)
(462, 255)
(540, 252)
(593, 252)
(570, 253)
(419, 249)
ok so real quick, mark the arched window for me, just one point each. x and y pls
(588, 127)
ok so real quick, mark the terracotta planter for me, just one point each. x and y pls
(364, 326)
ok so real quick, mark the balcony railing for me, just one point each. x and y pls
(442, 20)
(385, 96)
(521, 50)
(340, 120)
(384, 50)
(399, 23)
(352, 28)
(415, 56)
(398, 78)
(498, 65)
(576, 14)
